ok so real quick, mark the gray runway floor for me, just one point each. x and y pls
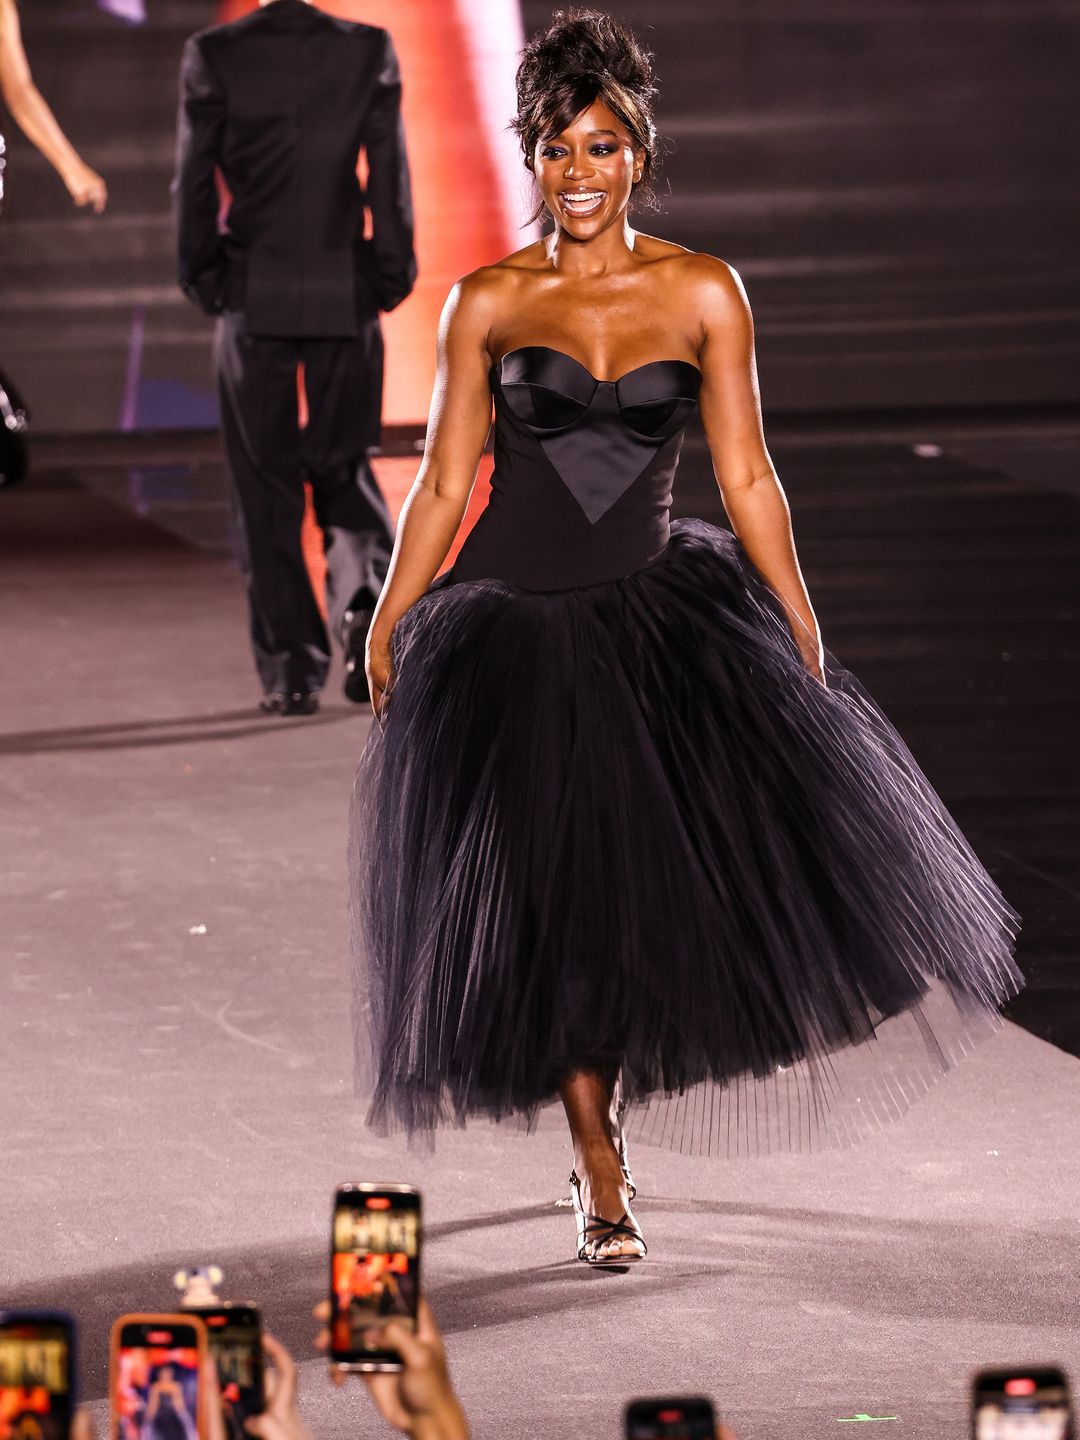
(175, 1069)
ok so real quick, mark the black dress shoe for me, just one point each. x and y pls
(300, 702)
(354, 630)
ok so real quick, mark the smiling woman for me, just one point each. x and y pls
(595, 61)
(644, 846)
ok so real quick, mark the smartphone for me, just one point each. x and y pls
(1021, 1404)
(156, 1390)
(37, 1374)
(234, 1334)
(686, 1418)
(374, 1269)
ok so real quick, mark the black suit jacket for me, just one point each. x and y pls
(282, 102)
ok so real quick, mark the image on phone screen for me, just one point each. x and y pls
(235, 1336)
(687, 1418)
(157, 1382)
(36, 1366)
(374, 1265)
(1022, 1405)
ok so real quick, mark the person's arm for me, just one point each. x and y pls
(200, 255)
(389, 194)
(28, 109)
(731, 413)
(458, 426)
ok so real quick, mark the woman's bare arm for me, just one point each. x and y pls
(458, 428)
(731, 412)
(34, 118)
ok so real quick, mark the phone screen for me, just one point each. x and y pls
(682, 1419)
(157, 1381)
(235, 1337)
(36, 1381)
(1022, 1405)
(375, 1266)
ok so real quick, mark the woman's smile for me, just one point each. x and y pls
(581, 203)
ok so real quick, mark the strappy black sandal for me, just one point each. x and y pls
(618, 1109)
(592, 1230)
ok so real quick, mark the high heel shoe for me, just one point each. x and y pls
(594, 1231)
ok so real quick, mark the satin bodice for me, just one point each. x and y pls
(581, 488)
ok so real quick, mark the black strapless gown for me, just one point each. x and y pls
(611, 819)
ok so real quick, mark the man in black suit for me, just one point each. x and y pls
(282, 103)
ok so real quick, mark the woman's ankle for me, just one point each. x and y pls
(596, 1157)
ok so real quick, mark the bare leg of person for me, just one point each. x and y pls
(586, 1097)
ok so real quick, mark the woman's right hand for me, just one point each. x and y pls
(814, 658)
(380, 670)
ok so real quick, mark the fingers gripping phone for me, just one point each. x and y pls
(1031, 1404)
(234, 1334)
(156, 1388)
(37, 1374)
(374, 1270)
(687, 1418)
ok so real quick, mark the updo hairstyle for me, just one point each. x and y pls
(584, 56)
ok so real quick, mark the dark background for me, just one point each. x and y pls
(894, 179)
(91, 321)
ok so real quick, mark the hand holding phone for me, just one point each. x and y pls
(234, 1335)
(418, 1395)
(280, 1416)
(374, 1272)
(157, 1378)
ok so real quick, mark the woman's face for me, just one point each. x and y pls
(586, 174)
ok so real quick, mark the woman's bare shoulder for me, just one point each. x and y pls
(481, 297)
(705, 277)
(504, 275)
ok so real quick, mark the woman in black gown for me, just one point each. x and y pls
(623, 827)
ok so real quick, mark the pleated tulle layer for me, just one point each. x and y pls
(622, 825)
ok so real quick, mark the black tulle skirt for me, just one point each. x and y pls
(621, 825)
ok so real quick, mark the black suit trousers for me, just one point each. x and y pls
(270, 457)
